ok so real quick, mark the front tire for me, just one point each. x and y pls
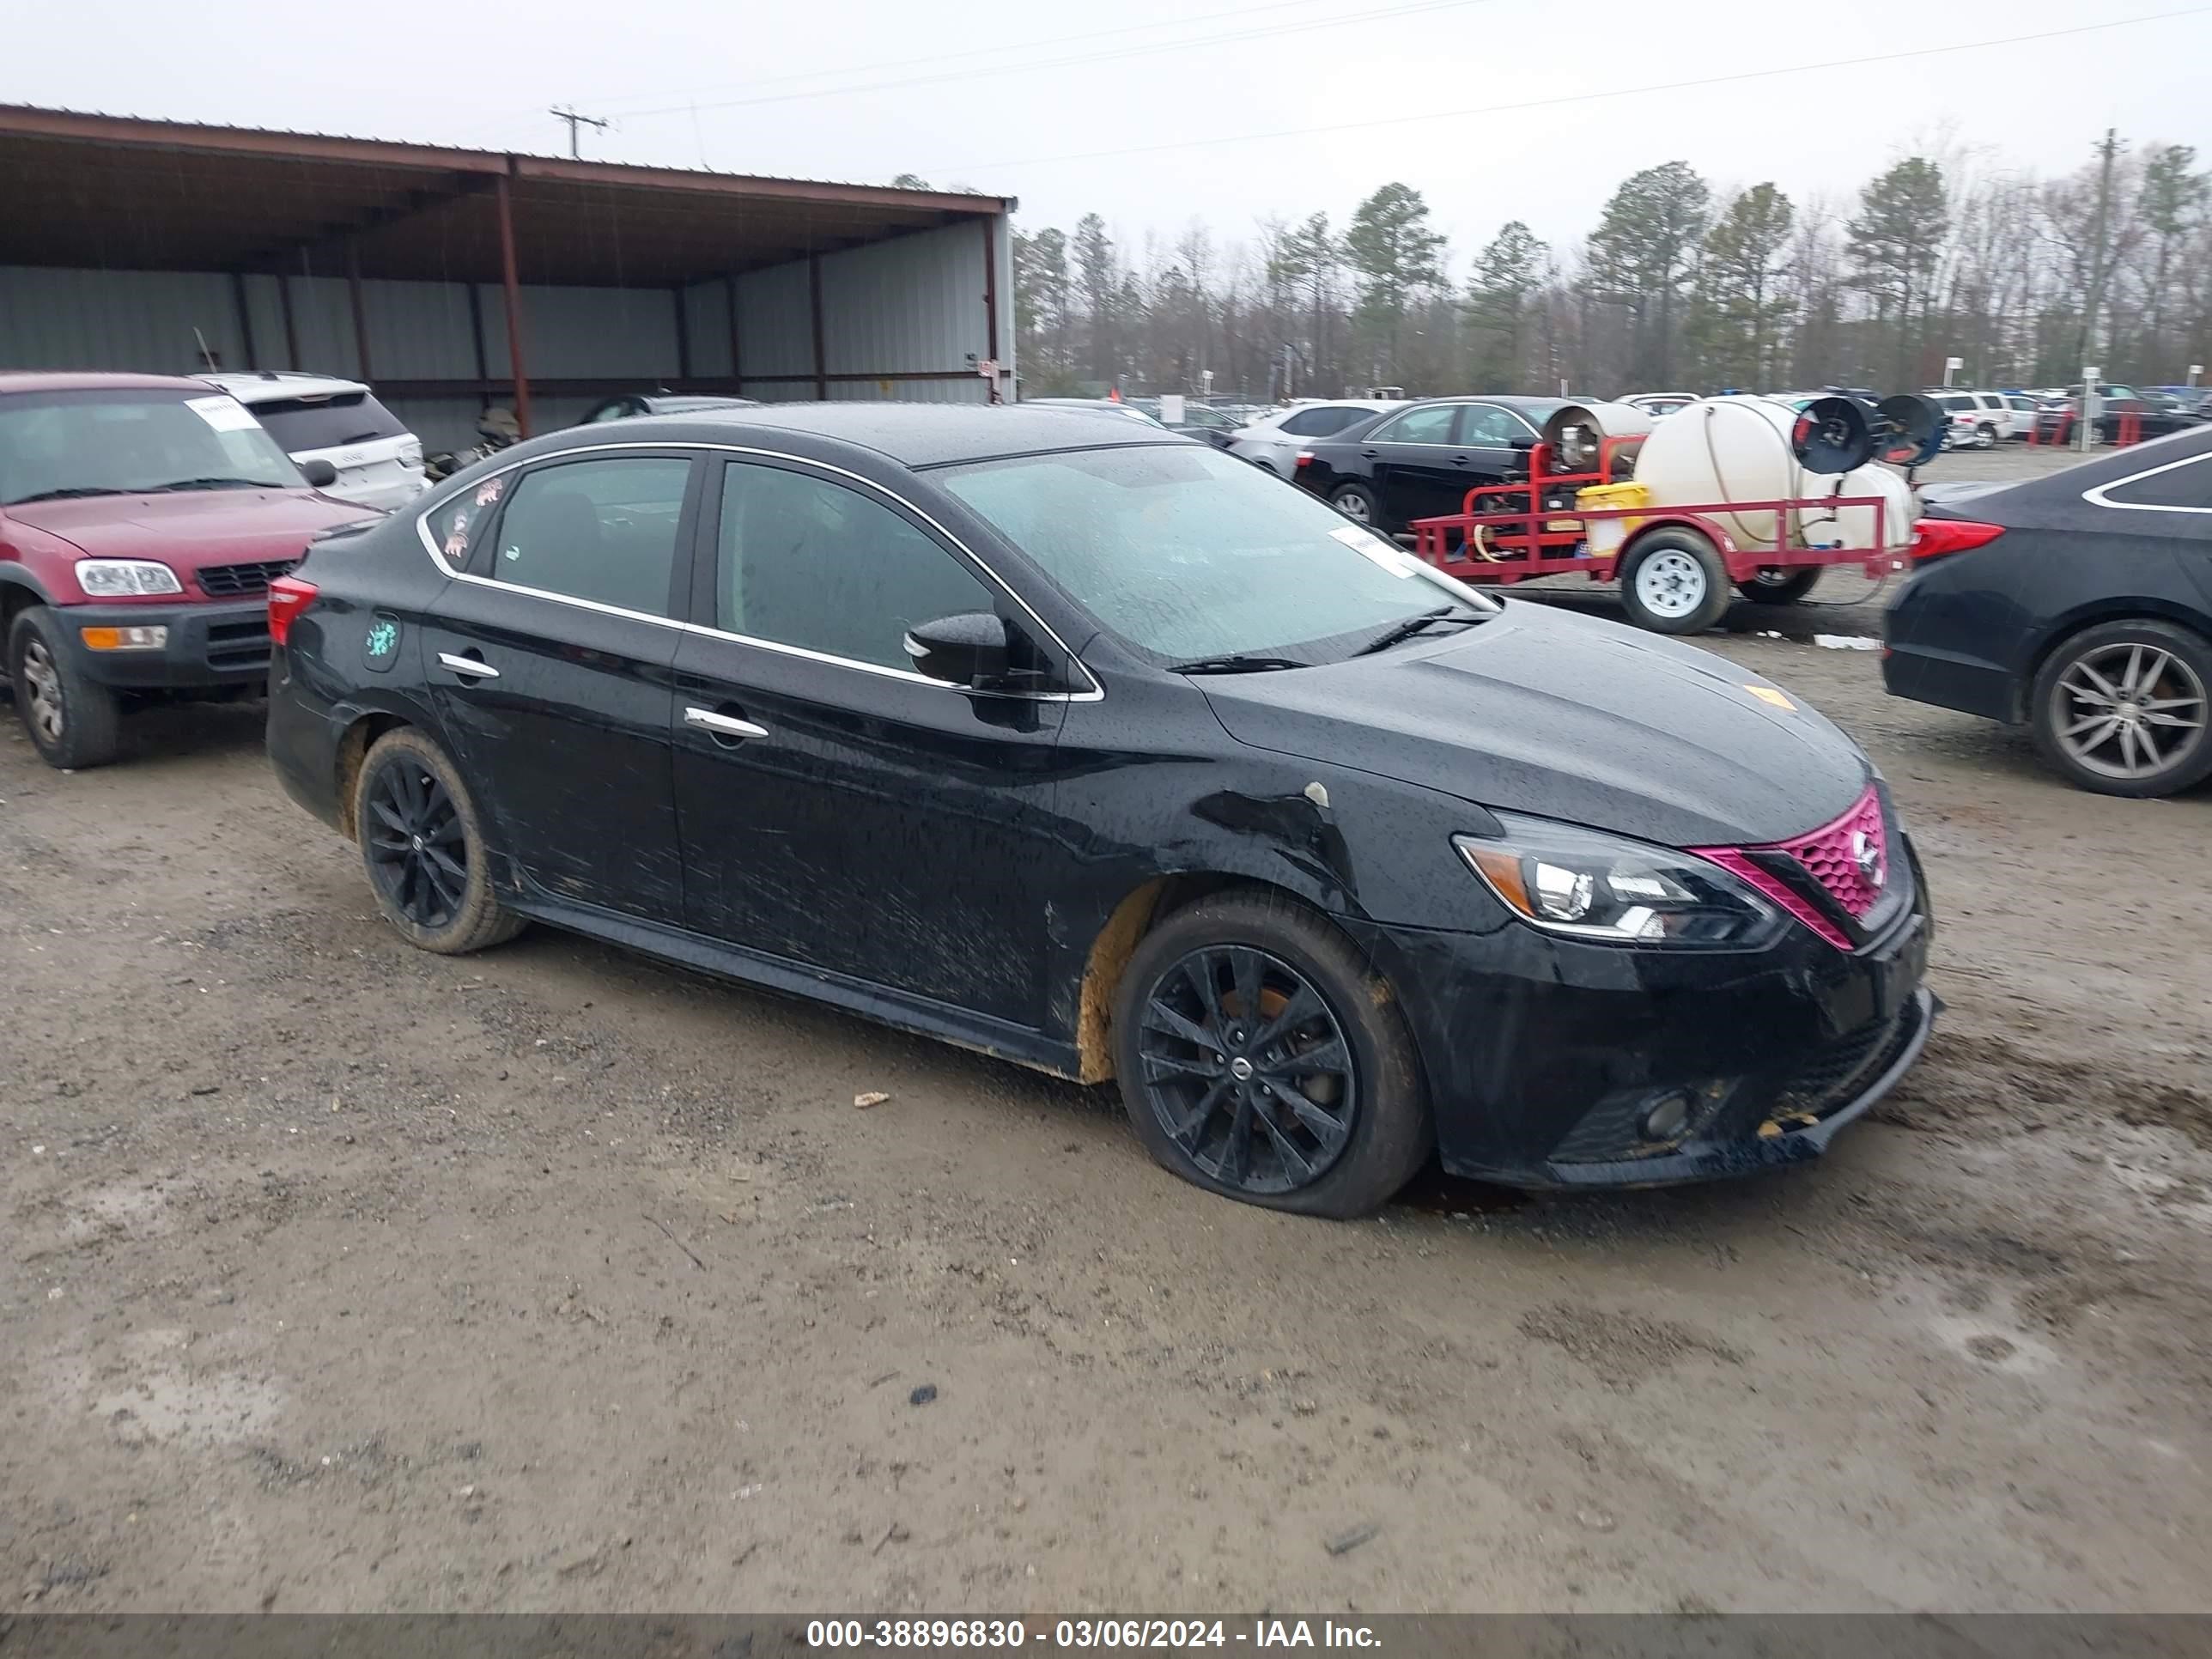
(1672, 581)
(423, 847)
(73, 721)
(1779, 585)
(1261, 1058)
(2121, 710)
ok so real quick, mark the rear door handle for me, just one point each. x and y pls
(475, 668)
(723, 725)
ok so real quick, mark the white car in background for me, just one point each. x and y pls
(317, 418)
(1659, 404)
(1273, 440)
(1983, 420)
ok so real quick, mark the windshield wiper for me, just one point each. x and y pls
(1413, 625)
(73, 493)
(1238, 663)
(213, 483)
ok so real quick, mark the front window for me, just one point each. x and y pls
(302, 424)
(56, 445)
(1187, 554)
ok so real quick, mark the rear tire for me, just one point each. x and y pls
(2162, 673)
(1672, 581)
(1780, 586)
(1988, 434)
(1335, 1116)
(72, 721)
(1357, 503)
(423, 848)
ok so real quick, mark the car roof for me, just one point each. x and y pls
(88, 380)
(270, 386)
(914, 434)
(682, 402)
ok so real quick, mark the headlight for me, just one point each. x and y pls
(111, 579)
(1589, 885)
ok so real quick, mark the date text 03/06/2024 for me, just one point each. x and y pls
(988, 1635)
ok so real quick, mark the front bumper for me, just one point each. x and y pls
(1544, 1057)
(210, 645)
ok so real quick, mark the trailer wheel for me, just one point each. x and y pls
(1779, 585)
(1672, 581)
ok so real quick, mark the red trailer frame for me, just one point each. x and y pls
(1504, 546)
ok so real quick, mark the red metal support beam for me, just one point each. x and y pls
(360, 314)
(511, 280)
(814, 303)
(682, 332)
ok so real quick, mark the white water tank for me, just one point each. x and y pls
(1738, 449)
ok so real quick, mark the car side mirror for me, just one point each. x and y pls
(975, 648)
(319, 474)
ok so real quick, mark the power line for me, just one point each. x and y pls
(971, 167)
(1336, 23)
(974, 52)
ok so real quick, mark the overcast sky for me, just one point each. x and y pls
(1153, 112)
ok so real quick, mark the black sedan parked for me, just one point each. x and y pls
(2080, 604)
(1419, 462)
(1093, 748)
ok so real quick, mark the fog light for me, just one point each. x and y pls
(125, 639)
(1667, 1118)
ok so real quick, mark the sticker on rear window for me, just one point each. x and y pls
(224, 414)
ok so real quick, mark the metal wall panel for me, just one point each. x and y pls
(775, 325)
(707, 314)
(901, 307)
(141, 320)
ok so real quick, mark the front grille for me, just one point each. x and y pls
(239, 644)
(1831, 854)
(238, 581)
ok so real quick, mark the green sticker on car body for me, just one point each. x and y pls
(382, 645)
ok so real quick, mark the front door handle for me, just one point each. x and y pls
(723, 725)
(475, 668)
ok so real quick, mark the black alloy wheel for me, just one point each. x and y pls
(416, 843)
(1247, 1070)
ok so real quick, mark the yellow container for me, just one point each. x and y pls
(1607, 536)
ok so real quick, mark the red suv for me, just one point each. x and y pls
(141, 520)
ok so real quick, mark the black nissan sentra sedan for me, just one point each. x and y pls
(1094, 748)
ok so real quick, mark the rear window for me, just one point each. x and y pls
(1320, 423)
(348, 417)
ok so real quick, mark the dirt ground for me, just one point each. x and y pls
(335, 1276)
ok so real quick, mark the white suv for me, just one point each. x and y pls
(1982, 420)
(316, 418)
(1273, 440)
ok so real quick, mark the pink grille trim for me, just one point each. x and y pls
(1830, 854)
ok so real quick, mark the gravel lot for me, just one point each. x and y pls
(335, 1276)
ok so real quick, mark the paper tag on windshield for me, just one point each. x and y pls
(1371, 547)
(223, 413)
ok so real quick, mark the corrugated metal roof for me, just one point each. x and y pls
(277, 134)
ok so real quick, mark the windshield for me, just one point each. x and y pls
(348, 417)
(54, 445)
(1186, 553)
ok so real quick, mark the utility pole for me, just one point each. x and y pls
(576, 123)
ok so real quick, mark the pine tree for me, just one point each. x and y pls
(1896, 241)
(1094, 275)
(1396, 255)
(1506, 273)
(1641, 253)
(1741, 303)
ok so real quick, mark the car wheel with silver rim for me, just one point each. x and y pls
(73, 721)
(2122, 708)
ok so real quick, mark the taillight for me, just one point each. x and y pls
(288, 597)
(1305, 458)
(1935, 538)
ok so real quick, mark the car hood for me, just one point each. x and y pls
(191, 528)
(1566, 717)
